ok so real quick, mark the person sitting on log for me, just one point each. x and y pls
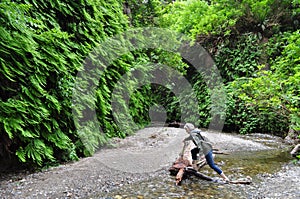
(203, 147)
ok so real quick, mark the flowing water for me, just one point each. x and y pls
(236, 165)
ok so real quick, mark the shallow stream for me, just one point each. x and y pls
(258, 164)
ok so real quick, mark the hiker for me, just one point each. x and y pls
(203, 147)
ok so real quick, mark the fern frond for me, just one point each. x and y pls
(21, 154)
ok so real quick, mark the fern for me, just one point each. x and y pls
(21, 154)
(8, 129)
(42, 47)
(5, 70)
(37, 151)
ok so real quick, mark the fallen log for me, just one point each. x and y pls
(196, 173)
(183, 165)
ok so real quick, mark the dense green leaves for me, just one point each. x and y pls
(143, 13)
(248, 41)
(239, 57)
(272, 96)
(43, 45)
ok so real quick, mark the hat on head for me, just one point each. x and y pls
(189, 126)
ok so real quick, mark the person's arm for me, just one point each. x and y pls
(188, 138)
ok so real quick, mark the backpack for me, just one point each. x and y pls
(198, 135)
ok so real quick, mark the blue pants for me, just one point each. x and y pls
(209, 159)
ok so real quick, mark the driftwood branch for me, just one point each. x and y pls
(217, 151)
(296, 150)
(182, 167)
(196, 173)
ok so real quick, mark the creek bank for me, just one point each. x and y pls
(282, 184)
(134, 161)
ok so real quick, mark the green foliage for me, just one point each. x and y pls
(194, 17)
(287, 71)
(143, 13)
(240, 37)
(151, 94)
(42, 48)
(202, 20)
(88, 21)
(164, 97)
(259, 9)
(239, 57)
(204, 101)
(43, 45)
(36, 150)
(250, 110)
(273, 96)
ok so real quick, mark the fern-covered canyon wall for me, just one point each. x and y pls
(43, 45)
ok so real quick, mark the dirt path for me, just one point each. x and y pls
(139, 157)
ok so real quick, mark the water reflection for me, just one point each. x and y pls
(254, 162)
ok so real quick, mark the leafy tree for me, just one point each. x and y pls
(271, 97)
(244, 38)
(143, 13)
(198, 18)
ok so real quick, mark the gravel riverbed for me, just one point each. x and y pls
(139, 158)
